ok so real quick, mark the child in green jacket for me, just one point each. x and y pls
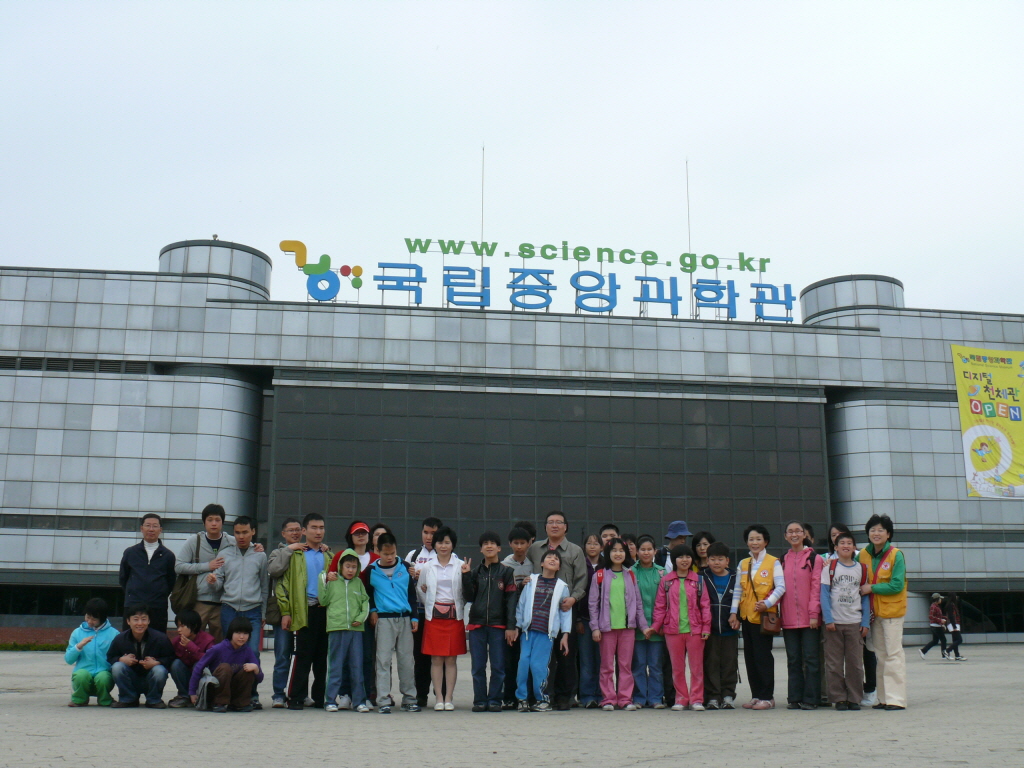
(343, 594)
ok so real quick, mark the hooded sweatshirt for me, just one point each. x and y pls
(93, 657)
(345, 599)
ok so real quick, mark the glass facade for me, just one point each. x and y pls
(484, 460)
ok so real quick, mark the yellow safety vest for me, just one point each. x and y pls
(763, 585)
(885, 606)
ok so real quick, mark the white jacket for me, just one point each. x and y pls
(428, 579)
(558, 620)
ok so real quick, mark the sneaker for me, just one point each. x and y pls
(631, 707)
(807, 707)
(523, 706)
(385, 709)
(219, 708)
(542, 706)
(363, 708)
(295, 705)
(592, 705)
(697, 707)
(728, 703)
(308, 702)
(509, 705)
(439, 707)
(713, 704)
(842, 706)
(257, 707)
(870, 699)
(246, 708)
(751, 704)
(608, 707)
(678, 707)
(961, 658)
(793, 705)
(279, 704)
(412, 708)
(369, 704)
(178, 702)
(344, 702)
(479, 708)
(331, 708)
(921, 651)
(763, 704)
(659, 705)
(157, 704)
(449, 706)
(852, 706)
(494, 707)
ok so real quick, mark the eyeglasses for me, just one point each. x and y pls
(556, 522)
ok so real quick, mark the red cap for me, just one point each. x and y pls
(356, 527)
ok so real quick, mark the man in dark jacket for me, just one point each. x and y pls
(140, 660)
(147, 573)
(491, 588)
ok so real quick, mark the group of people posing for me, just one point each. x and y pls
(614, 624)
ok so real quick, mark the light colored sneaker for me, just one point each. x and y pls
(344, 702)
(331, 708)
(961, 658)
(697, 707)
(439, 707)
(728, 703)
(368, 704)
(608, 707)
(631, 707)
(713, 704)
(308, 702)
(870, 699)
(279, 704)
(678, 707)
(362, 708)
(921, 651)
(659, 705)
(449, 706)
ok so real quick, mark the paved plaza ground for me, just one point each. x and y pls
(967, 713)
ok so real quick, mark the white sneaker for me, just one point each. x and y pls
(630, 707)
(362, 708)
(439, 707)
(449, 706)
(870, 699)
(921, 651)
(307, 702)
(345, 703)
(697, 707)
(678, 707)
(331, 708)
(608, 707)
(369, 704)
(961, 658)
(728, 703)
(659, 705)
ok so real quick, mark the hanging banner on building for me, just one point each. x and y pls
(988, 389)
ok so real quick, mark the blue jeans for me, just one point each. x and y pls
(181, 674)
(284, 642)
(345, 653)
(131, 684)
(255, 617)
(590, 664)
(534, 657)
(484, 642)
(647, 683)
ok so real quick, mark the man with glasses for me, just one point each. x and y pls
(277, 566)
(573, 571)
(147, 573)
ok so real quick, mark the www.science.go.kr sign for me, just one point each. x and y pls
(530, 288)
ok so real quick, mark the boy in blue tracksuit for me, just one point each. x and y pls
(721, 651)
(393, 605)
(542, 621)
(87, 650)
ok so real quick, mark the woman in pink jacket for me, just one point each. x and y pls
(801, 617)
(685, 630)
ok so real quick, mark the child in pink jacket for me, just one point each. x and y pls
(801, 618)
(685, 632)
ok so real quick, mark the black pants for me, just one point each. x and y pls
(870, 665)
(562, 676)
(721, 667)
(759, 662)
(954, 644)
(804, 665)
(938, 638)
(310, 653)
(157, 620)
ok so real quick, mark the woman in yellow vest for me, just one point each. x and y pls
(762, 585)
(887, 585)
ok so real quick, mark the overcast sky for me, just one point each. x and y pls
(829, 137)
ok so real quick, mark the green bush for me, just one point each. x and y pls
(32, 646)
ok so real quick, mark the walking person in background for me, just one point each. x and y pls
(801, 611)
(937, 624)
(953, 625)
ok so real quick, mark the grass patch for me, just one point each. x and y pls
(32, 646)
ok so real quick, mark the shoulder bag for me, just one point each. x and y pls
(186, 590)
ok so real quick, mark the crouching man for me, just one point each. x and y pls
(140, 659)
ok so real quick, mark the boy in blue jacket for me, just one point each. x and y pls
(87, 650)
(393, 605)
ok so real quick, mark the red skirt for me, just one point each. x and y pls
(444, 637)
